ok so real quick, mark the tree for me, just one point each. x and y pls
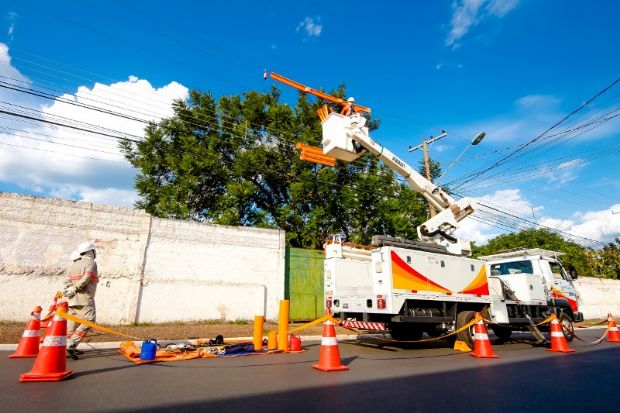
(233, 161)
(608, 265)
(434, 166)
(575, 258)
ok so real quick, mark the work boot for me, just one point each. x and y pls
(71, 352)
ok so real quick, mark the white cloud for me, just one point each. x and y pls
(500, 8)
(538, 102)
(12, 17)
(533, 114)
(565, 172)
(108, 196)
(481, 227)
(599, 225)
(6, 68)
(469, 13)
(310, 26)
(441, 148)
(73, 164)
(602, 225)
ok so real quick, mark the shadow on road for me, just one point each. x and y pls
(564, 382)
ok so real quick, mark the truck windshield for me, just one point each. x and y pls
(514, 267)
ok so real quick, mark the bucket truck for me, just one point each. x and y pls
(432, 285)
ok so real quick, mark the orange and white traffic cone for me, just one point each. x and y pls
(482, 345)
(558, 341)
(29, 343)
(47, 320)
(329, 356)
(51, 363)
(612, 330)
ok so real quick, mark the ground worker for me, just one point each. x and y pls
(80, 288)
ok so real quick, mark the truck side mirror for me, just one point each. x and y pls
(573, 275)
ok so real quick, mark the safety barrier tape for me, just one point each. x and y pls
(465, 327)
(313, 323)
(67, 316)
(595, 342)
(592, 343)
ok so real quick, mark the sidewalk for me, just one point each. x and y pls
(10, 333)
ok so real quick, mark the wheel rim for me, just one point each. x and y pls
(567, 327)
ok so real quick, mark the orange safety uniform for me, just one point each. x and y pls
(80, 288)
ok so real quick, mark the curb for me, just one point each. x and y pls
(106, 345)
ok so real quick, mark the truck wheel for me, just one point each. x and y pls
(567, 327)
(467, 335)
(502, 333)
(405, 332)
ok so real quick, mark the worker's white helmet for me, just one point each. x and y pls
(74, 255)
(351, 100)
(84, 247)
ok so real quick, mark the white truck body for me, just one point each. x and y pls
(390, 285)
(411, 287)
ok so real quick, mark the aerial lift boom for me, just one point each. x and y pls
(339, 134)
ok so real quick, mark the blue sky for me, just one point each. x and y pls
(511, 68)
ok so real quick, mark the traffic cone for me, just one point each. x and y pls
(482, 345)
(558, 341)
(51, 363)
(47, 320)
(29, 343)
(329, 356)
(612, 330)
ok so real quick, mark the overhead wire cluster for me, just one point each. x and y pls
(122, 104)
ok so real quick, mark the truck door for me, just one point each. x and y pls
(563, 285)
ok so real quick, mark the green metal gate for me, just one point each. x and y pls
(304, 283)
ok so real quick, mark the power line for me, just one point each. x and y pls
(510, 155)
(65, 125)
(62, 153)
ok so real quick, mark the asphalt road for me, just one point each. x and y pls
(392, 378)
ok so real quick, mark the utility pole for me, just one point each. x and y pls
(427, 164)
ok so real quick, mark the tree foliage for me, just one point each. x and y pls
(233, 161)
(434, 168)
(582, 260)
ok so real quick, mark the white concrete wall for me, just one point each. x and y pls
(38, 234)
(182, 271)
(220, 272)
(599, 296)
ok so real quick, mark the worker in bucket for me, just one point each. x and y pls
(349, 108)
(80, 288)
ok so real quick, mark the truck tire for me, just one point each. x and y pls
(467, 335)
(502, 333)
(567, 327)
(405, 332)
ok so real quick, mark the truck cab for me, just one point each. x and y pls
(534, 274)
